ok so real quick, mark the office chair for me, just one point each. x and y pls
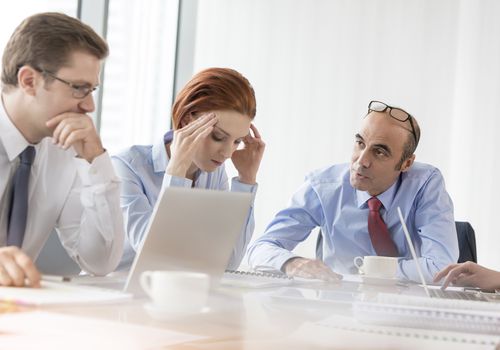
(54, 260)
(466, 243)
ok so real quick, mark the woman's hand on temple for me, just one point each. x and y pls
(186, 142)
(247, 160)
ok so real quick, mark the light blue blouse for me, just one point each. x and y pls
(142, 172)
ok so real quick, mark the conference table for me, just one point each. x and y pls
(311, 315)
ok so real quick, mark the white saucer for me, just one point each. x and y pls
(159, 313)
(380, 281)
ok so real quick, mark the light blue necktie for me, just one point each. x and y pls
(19, 200)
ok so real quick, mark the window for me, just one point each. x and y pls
(139, 72)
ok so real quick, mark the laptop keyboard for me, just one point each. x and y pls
(453, 294)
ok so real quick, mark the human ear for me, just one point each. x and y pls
(28, 79)
(187, 119)
(407, 163)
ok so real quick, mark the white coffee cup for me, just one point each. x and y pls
(377, 266)
(176, 291)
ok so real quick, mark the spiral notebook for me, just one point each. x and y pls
(468, 321)
(248, 279)
(345, 329)
(424, 301)
(262, 279)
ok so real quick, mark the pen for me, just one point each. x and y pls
(55, 278)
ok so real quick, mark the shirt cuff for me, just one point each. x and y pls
(100, 171)
(237, 186)
(284, 258)
(176, 181)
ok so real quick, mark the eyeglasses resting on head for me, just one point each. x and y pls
(396, 113)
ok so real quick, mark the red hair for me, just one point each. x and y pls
(214, 89)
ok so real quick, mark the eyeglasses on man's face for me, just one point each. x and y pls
(79, 91)
(394, 112)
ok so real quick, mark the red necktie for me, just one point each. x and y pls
(379, 234)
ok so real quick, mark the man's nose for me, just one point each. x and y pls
(87, 104)
(364, 158)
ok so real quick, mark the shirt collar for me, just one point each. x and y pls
(385, 197)
(11, 138)
(160, 156)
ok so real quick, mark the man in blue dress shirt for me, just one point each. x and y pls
(336, 200)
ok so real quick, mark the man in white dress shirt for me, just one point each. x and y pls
(50, 68)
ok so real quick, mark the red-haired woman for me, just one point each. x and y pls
(212, 115)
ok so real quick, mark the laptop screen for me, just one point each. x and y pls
(191, 230)
(413, 253)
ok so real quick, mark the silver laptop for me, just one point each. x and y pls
(438, 293)
(190, 229)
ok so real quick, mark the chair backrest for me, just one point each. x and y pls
(466, 242)
(319, 246)
(54, 260)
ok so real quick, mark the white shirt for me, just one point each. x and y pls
(80, 200)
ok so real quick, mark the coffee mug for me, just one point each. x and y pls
(377, 266)
(176, 291)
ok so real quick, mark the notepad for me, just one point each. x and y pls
(53, 293)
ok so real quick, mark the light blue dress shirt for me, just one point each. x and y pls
(142, 172)
(327, 200)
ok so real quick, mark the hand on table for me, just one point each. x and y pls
(17, 269)
(313, 269)
(469, 274)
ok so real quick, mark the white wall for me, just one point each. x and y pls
(315, 65)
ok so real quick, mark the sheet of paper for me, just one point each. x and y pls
(47, 330)
(59, 293)
(351, 278)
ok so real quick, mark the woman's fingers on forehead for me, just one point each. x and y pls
(200, 122)
(204, 115)
(255, 131)
(248, 139)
